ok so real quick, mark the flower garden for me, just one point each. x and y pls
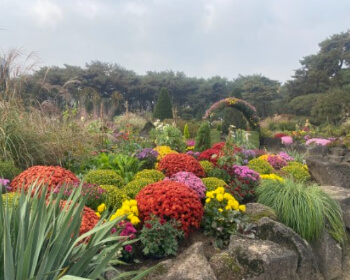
(141, 197)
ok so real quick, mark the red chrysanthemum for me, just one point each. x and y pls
(279, 135)
(171, 200)
(174, 163)
(52, 176)
(89, 219)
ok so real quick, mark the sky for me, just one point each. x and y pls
(202, 38)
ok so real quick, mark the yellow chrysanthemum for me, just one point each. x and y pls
(242, 208)
(220, 210)
(102, 207)
(98, 214)
(220, 190)
(210, 194)
(219, 197)
(134, 220)
(207, 200)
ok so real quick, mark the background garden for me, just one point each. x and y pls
(102, 168)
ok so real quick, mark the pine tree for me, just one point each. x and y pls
(163, 109)
(203, 137)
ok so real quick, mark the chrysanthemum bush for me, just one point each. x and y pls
(271, 177)
(149, 174)
(135, 186)
(190, 180)
(222, 216)
(163, 151)
(212, 183)
(114, 196)
(207, 166)
(171, 200)
(174, 163)
(52, 176)
(130, 209)
(148, 156)
(276, 161)
(104, 177)
(260, 165)
(297, 171)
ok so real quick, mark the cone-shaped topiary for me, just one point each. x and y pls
(174, 163)
(203, 137)
(163, 109)
(171, 200)
(104, 177)
(52, 176)
(186, 132)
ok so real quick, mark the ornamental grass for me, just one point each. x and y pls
(305, 209)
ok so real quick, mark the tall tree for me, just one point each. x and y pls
(163, 109)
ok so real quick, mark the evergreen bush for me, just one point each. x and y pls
(163, 109)
(203, 137)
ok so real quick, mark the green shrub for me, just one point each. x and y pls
(303, 208)
(104, 177)
(297, 170)
(234, 117)
(149, 174)
(168, 135)
(132, 188)
(212, 183)
(11, 198)
(203, 137)
(220, 174)
(163, 109)
(129, 121)
(8, 170)
(186, 132)
(261, 166)
(114, 196)
(207, 166)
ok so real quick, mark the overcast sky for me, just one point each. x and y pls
(201, 38)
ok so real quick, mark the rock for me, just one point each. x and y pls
(341, 195)
(284, 236)
(226, 267)
(328, 173)
(329, 256)
(262, 259)
(189, 265)
(338, 151)
(256, 211)
(318, 151)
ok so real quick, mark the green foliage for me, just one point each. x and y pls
(163, 109)
(186, 132)
(129, 121)
(297, 170)
(203, 137)
(302, 105)
(232, 117)
(160, 237)
(212, 183)
(114, 196)
(8, 170)
(10, 199)
(261, 166)
(207, 166)
(104, 177)
(303, 208)
(124, 165)
(133, 187)
(40, 240)
(149, 174)
(168, 135)
(220, 174)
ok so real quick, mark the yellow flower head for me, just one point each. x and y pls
(220, 190)
(134, 220)
(98, 214)
(210, 194)
(219, 197)
(102, 207)
(220, 210)
(207, 200)
(242, 208)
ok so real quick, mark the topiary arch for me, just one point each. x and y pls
(247, 110)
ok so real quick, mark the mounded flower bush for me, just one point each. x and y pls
(52, 176)
(149, 174)
(134, 187)
(212, 183)
(171, 200)
(173, 163)
(260, 165)
(114, 196)
(297, 170)
(276, 161)
(163, 151)
(207, 166)
(104, 177)
(192, 181)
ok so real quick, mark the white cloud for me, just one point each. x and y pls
(47, 14)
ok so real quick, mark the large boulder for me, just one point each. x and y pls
(329, 173)
(256, 211)
(341, 195)
(284, 236)
(189, 265)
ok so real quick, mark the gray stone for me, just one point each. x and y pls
(338, 151)
(256, 211)
(318, 151)
(263, 259)
(328, 173)
(286, 237)
(329, 256)
(189, 265)
(335, 159)
(226, 267)
(341, 195)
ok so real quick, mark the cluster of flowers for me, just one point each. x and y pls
(223, 200)
(5, 183)
(163, 151)
(129, 208)
(276, 161)
(147, 153)
(52, 176)
(287, 140)
(318, 141)
(190, 180)
(285, 156)
(271, 177)
(128, 231)
(244, 174)
(173, 163)
(171, 200)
